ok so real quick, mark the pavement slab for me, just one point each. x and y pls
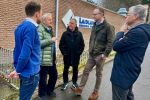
(5, 89)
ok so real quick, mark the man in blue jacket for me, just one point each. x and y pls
(27, 51)
(130, 47)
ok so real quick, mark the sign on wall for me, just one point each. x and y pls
(84, 22)
(81, 21)
(67, 17)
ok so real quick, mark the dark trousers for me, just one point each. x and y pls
(28, 86)
(119, 93)
(65, 73)
(43, 86)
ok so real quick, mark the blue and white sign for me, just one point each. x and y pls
(67, 17)
(81, 21)
(84, 22)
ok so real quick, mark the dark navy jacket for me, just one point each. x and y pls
(130, 53)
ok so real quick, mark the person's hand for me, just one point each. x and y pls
(103, 56)
(13, 75)
(124, 28)
(54, 39)
(120, 39)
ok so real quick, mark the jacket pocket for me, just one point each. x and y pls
(102, 37)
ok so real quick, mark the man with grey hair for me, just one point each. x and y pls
(130, 46)
(71, 46)
(47, 63)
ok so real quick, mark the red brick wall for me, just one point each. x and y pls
(12, 14)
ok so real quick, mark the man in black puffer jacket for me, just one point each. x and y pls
(71, 46)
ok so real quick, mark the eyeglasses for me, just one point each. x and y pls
(130, 14)
(95, 14)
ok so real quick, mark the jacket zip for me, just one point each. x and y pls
(42, 54)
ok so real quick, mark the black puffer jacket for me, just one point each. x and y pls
(72, 46)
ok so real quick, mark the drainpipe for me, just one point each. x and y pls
(56, 27)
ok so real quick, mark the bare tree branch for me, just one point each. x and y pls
(115, 5)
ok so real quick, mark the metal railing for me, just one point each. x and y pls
(6, 64)
(83, 59)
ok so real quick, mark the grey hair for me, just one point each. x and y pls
(140, 10)
(44, 16)
(74, 20)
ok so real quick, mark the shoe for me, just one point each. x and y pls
(43, 98)
(52, 94)
(77, 90)
(64, 86)
(94, 96)
(74, 85)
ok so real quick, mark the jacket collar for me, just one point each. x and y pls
(100, 22)
(45, 26)
(75, 31)
(104, 22)
(102, 25)
(51, 32)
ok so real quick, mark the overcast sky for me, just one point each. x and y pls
(95, 1)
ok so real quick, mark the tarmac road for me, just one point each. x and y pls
(141, 88)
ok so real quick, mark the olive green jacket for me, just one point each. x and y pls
(46, 45)
(101, 39)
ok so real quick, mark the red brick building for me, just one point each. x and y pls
(12, 13)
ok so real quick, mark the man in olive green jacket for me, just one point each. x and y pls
(47, 63)
(100, 46)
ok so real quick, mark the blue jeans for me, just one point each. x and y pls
(119, 93)
(28, 86)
